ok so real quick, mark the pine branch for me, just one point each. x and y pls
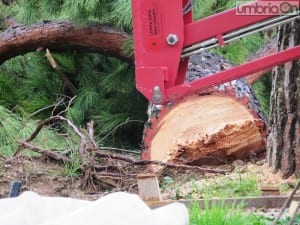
(56, 104)
(59, 35)
(48, 153)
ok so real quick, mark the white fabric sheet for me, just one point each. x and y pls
(114, 209)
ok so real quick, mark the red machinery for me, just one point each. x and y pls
(165, 36)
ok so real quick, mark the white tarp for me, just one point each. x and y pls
(114, 209)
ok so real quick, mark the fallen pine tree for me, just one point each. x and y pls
(217, 125)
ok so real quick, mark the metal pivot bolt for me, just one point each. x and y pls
(157, 95)
(172, 39)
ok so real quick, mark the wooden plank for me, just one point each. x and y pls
(249, 202)
(294, 207)
(148, 187)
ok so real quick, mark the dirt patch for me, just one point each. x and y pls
(43, 176)
(48, 177)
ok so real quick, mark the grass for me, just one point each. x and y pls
(231, 187)
(241, 185)
(284, 188)
(71, 169)
(222, 214)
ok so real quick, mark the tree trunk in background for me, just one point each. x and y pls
(283, 146)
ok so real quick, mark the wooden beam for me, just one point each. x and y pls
(249, 202)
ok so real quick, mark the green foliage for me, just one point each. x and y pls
(283, 221)
(262, 89)
(236, 186)
(7, 11)
(203, 8)
(231, 187)
(71, 169)
(7, 86)
(167, 183)
(33, 83)
(238, 51)
(221, 214)
(79, 10)
(115, 12)
(286, 220)
(121, 14)
(105, 93)
(14, 128)
(108, 96)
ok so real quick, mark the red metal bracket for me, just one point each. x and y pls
(161, 30)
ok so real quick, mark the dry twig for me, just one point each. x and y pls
(90, 128)
(68, 107)
(62, 76)
(51, 154)
(160, 163)
(82, 145)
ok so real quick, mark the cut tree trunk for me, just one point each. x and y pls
(283, 147)
(215, 126)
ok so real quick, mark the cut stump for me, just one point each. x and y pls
(214, 126)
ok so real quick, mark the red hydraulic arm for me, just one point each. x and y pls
(164, 35)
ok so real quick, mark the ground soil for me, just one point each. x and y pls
(48, 177)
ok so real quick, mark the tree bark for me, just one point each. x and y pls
(283, 147)
(20, 39)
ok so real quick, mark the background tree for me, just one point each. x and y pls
(283, 147)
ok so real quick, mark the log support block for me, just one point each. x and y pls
(148, 187)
